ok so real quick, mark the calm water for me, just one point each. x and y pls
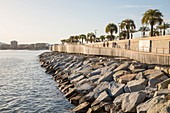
(24, 86)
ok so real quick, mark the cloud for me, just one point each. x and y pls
(136, 6)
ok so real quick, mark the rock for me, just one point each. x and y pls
(139, 76)
(134, 66)
(82, 81)
(163, 84)
(106, 77)
(122, 67)
(137, 85)
(144, 107)
(138, 70)
(119, 99)
(150, 74)
(162, 92)
(94, 78)
(132, 100)
(113, 67)
(81, 106)
(116, 89)
(75, 100)
(169, 87)
(160, 107)
(99, 107)
(103, 86)
(77, 79)
(153, 81)
(70, 92)
(109, 106)
(85, 88)
(119, 73)
(126, 78)
(103, 97)
(93, 73)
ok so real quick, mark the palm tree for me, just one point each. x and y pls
(91, 36)
(71, 39)
(123, 34)
(76, 38)
(111, 28)
(82, 37)
(102, 38)
(152, 17)
(128, 25)
(143, 29)
(164, 26)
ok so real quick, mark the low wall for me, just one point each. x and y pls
(144, 57)
(159, 44)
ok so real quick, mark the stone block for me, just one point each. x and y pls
(131, 101)
(164, 84)
(137, 85)
(126, 78)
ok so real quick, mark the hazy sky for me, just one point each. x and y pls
(31, 21)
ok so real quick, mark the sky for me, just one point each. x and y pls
(49, 21)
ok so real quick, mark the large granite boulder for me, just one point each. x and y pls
(163, 84)
(136, 85)
(115, 89)
(103, 97)
(132, 100)
(123, 66)
(126, 78)
(144, 107)
(108, 76)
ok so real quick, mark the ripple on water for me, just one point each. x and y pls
(25, 88)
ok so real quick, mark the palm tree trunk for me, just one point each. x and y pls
(143, 33)
(128, 36)
(152, 29)
(164, 32)
(82, 41)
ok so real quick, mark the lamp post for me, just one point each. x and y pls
(119, 30)
(95, 31)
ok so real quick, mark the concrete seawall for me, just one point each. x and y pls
(144, 57)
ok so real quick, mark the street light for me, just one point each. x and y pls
(95, 31)
(119, 30)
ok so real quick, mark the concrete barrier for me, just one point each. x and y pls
(153, 57)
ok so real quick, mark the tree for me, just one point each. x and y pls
(111, 28)
(163, 27)
(82, 37)
(128, 25)
(71, 39)
(76, 38)
(123, 34)
(152, 17)
(91, 36)
(102, 38)
(143, 29)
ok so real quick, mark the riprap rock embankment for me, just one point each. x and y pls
(107, 84)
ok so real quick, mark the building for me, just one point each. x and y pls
(14, 44)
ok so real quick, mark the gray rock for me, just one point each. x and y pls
(108, 76)
(153, 81)
(94, 78)
(116, 89)
(95, 72)
(122, 66)
(144, 107)
(132, 100)
(85, 88)
(103, 97)
(137, 85)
